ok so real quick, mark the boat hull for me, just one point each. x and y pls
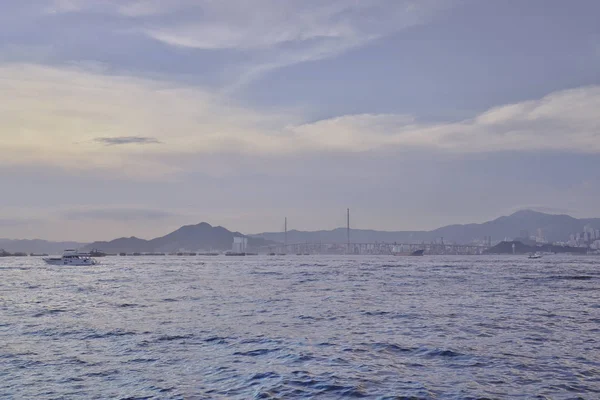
(78, 263)
(415, 253)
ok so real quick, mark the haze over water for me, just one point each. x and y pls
(301, 327)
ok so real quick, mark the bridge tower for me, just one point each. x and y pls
(348, 230)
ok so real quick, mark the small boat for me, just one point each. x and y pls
(535, 256)
(72, 257)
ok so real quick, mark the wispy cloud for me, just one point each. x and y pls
(562, 121)
(118, 214)
(134, 8)
(65, 124)
(124, 140)
(12, 222)
(268, 34)
(278, 34)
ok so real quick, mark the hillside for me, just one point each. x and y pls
(555, 227)
(202, 236)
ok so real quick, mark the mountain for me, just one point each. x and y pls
(202, 236)
(206, 237)
(37, 246)
(121, 245)
(555, 228)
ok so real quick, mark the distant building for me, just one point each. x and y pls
(540, 236)
(239, 244)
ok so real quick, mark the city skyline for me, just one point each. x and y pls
(136, 117)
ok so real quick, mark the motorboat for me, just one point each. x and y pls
(71, 257)
(535, 256)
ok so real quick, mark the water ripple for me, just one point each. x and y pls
(326, 327)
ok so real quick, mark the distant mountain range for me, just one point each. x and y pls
(555, 228)
(190, 237)
(206, 237)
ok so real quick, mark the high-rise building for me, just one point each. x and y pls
(239, 244)
(572, 241)
(540, 236)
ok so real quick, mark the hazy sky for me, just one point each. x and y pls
(133, 117)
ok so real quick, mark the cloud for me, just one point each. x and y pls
(73, 107)
(275, 34)
(260, 25)
(129, 8)
(145, 8)
(13, 222)
(263, 24)
(82, 120)
(118, 214)
(267, 34)
(562, 121)
(64, 6)
(123, 140)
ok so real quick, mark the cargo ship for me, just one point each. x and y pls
(410, 253)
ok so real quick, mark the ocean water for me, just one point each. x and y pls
(325, 327)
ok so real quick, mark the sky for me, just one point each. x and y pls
(134, 117)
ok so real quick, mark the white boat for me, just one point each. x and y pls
(534, 256)
(72, 257)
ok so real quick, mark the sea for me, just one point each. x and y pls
(301, 327)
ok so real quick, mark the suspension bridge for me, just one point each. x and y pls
(375, 248)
